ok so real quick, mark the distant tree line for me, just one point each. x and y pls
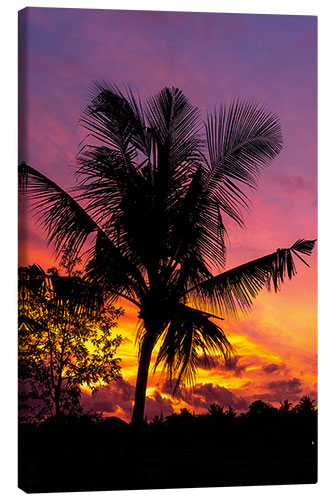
(257, 410)
(265, 445)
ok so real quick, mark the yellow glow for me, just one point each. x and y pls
(279, 332)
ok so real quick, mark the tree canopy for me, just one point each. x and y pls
(62, 344)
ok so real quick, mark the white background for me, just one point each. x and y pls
(8, 245)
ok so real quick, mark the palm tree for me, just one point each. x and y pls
(305, 406)
(153, 191)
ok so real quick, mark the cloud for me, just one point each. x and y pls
(232, 367)
(279, 390)
(201, 396)
(209, 394)
(117, 399)
(157, 404)
(294, 183)
(273, 368)
(291, 386)
(208, 362)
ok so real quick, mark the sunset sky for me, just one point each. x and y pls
(213, 58)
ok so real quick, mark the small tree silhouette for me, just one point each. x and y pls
(231, 413)
(259, 408)
(215, 410)
(285, 406)
(305, 406)
(62, 345)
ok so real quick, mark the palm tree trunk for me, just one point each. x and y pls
(57, 410)
(141, 383)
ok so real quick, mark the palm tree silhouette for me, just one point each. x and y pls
(154, 189)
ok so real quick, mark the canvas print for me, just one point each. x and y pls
(167, 301)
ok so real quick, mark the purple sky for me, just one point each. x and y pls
(212, 57)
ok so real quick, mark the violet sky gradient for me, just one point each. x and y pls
(213, 58)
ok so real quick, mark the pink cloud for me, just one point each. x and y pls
(117, 400)
(278, 390)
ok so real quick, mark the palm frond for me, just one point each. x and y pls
(174, 124)
(69, 295)
(196, 235)
(116, 119)
(104, 182)
(78, 297)
(235, 289)
(189, 337)
(117, 276)
(67, 224)
(241, 140)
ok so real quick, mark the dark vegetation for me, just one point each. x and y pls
(263, 446)
(66, 340)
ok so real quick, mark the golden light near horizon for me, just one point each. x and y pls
(255, 353)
